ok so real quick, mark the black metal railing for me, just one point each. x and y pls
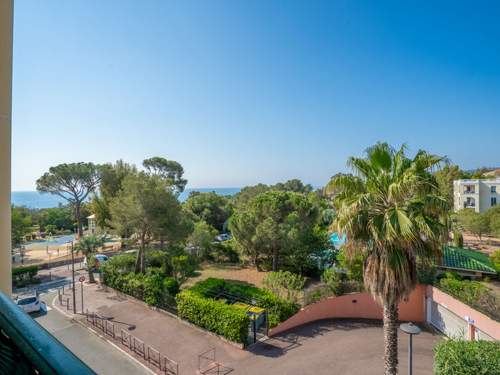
(27, 348)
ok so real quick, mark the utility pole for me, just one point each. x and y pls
(73, 276)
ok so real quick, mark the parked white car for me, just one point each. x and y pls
(223, 237)
(29, 304)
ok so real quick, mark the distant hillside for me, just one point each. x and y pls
(493, 173)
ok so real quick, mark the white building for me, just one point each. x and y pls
(92, 223)
(479, 195)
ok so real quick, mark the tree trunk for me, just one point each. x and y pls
(139, 263)
(275, 259)
(78, 220)
(391, 339)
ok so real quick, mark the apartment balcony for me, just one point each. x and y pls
(27, 348)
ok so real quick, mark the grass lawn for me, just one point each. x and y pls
(228, 272)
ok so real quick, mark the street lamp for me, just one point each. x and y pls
(411, 329)
(73, 276)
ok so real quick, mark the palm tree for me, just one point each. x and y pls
(392, 212)
(88, 246)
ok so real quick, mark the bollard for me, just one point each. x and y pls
(67, 303)
(63, 288)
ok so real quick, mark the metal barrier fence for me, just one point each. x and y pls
(208, 364)
(150, 354)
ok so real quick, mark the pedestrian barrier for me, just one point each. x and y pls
(169, 366)
(126, 338)
(138, 346)
(109, 328)
(208, 364)
(153, 356)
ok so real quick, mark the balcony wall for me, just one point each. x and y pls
(355, 306)
(6, 9)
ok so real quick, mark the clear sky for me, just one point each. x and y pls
(241, 92)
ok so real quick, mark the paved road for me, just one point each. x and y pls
(94, 351)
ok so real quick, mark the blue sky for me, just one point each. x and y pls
(241, 92)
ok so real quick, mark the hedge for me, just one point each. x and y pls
(459, 357)
(24, 275)
(277, 308)
(226, 320)
(153, 288)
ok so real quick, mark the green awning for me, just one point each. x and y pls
(467, 260)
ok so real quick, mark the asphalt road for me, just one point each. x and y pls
(99, 355)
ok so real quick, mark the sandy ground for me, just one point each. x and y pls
(228, 272)
(487, 244)
(50, 253)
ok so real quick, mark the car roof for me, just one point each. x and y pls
(26, 296)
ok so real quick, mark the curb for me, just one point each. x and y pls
(71, 316)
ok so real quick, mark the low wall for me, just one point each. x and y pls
(355, 306)
(474, 317)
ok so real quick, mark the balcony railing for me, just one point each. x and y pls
(27, 348)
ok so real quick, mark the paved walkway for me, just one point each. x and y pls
(103, 358)
(325, 347)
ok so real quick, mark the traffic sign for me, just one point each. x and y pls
(81, 279)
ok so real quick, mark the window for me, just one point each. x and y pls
(493, 201)
(470, 202)
(493, 189)
(469, 189)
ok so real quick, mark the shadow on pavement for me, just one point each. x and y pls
(279, 345)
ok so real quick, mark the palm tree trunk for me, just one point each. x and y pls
(391, 339)
(91, 275)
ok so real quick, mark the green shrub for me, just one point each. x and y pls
(285, 284)
(474, 294)
(123, 263)
(426, 271)
(154, 287)
(183, 266)
(25, 275)
(226, 320)
(158, 259)
(29, 271)
(277, 308)
(225, 252)
(334, 281)
(458, 239)
(458, 357)
(495, 259)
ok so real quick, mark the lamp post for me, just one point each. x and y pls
(73, 276)
(411, 329)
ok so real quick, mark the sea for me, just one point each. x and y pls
(35, 199)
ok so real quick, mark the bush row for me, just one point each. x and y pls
(153, 287)
(22, 276)
(474, 294)
(229, 321)
(458, 357)
(277, 308)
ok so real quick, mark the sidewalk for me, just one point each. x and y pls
(167, 334)
(317, 348)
